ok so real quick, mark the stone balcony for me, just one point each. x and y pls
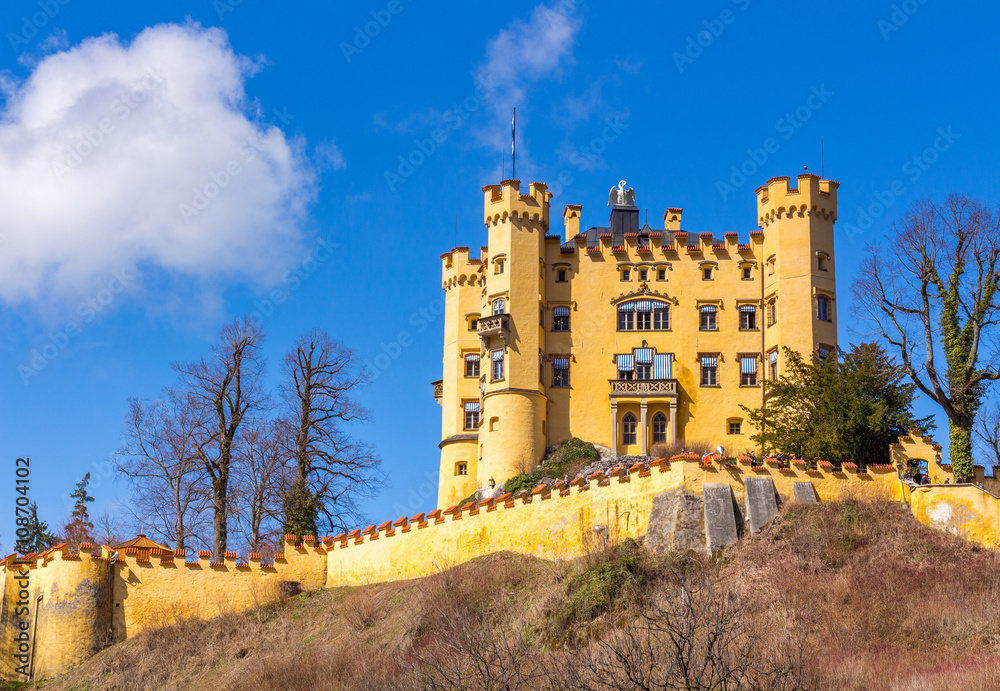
(643, 387)
(438, 389)
(495, 325)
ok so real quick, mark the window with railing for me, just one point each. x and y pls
(645, 363)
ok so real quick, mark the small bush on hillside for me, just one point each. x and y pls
(568, 459)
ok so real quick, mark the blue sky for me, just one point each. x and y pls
(114, 254)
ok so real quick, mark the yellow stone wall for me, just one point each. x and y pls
(963, 510)
(521, 415)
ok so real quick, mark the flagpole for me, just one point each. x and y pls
(513, 146)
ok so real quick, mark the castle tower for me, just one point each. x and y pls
(458, 392)
(512, 428)
(799, 290)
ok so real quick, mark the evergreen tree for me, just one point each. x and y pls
(837, 410)
(37, 536)
(80, 528)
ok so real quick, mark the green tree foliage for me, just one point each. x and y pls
(842, 409)
(38, 538)
(80, 528)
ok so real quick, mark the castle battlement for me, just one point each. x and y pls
(459, 267)
(505, 201)
(813, 196)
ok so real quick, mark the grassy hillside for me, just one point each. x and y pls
(836, 596)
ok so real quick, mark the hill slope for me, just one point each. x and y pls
(841, 595)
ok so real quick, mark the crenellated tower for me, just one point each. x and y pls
(458, 391)
(512, 427)
(799, 288)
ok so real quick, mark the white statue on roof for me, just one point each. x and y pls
(620, 196)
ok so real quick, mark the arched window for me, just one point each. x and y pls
(644, 315)
(628, 429)
(659, 428)
(823, 308)
(499, 305)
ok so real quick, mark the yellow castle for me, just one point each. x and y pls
(623, 335)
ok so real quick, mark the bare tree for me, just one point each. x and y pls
(222, 390)
(933, 293)
(259, 481)
(109, 528)
(696, 634)
(160, 459)
(332, 471)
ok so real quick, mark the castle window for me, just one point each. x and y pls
(708, 318)
(748, 371)
(643, 315)
(497, 357)
(494, 424)
(461, 469)
(706, 273)
(643, 275)
(747, 273)
(772, 311)
(561, 276)
(748, 318)
(772, 365)
(626, 366)
(822, 261)
(770, 265)
(560, 319)
(473, 324)
(499, 266)
(643, 363)
(736, 427)
(472, 365)
(499, 305)
(626, 274)
(659, 428)
(560, 372)
(824, 351)
(661, 274)
(709, 370)
(471, 414)
(628, 429)
(823, 308)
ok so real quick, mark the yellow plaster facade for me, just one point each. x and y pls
(553, 306)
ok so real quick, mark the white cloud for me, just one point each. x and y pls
(522, 55)
(142, 155)
(329, 156)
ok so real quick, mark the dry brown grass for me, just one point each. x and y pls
(842, 595)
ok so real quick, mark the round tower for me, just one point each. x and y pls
(512, 431)
(458, 391)
(799, 290)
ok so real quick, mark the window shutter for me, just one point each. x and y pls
(497, 355)
(644, 356)
(662, 366)
(626, 307)
(709, 361)
(472, 358)
(626, 363)
(561, 363)
(747, 308)
(748, 365)
(472, 407)
(774, 358)
(708, 309)
(561, 311)
(644, 305)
